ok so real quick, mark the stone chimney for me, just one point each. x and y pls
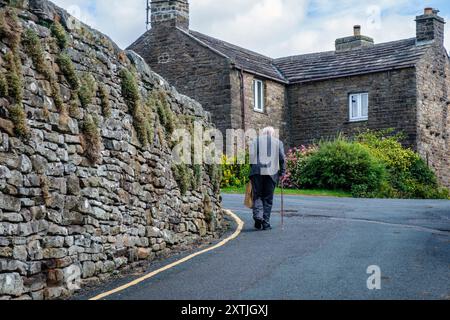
(170, 13)
(430, 27)
(355, 42)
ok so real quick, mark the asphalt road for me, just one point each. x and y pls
(323, 253)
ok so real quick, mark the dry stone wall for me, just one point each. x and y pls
(88, 186)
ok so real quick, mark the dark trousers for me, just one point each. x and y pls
(263, 193)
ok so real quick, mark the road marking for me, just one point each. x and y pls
(240, 226)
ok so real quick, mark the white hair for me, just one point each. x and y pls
(269, 131)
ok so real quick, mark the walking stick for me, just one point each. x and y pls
(282, 205)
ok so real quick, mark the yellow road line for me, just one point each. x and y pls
(238, 231)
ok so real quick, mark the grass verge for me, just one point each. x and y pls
(296, 192)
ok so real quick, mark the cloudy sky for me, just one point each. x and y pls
(272, 27)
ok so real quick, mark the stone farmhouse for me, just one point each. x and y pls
(402, 84)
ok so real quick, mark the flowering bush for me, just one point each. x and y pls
(408, 174)
(234, 174)
(296, 159)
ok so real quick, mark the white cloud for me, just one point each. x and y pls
(272, 27)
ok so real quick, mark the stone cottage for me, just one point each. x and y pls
(402, 84)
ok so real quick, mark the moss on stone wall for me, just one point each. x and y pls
(3, 85)
(104, 100)
(183, 176)
(19, 118)
(92, 139)
(87, 90)
(14, 78)
(74, 106)
(60, 35)
(143, 114)
(165, 114)
(215, 174)
(33, 47)
(11, 83)
(10, 28)
(32, 44)
(68, 69)
(130, 89)
(198, 176)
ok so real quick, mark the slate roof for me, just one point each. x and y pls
(328, 65)
(317, 66)
(242, 58)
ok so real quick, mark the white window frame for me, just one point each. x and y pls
(258, 101)
(360, 97)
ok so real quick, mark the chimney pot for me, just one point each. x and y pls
(428, 11)
(357, 30)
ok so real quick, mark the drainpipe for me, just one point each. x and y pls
(242, 89)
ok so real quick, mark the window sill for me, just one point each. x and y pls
(259, 111)
(358, 120)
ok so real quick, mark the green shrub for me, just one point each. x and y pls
(408, 174)
(68, 69)
(60, 34)
(92, 139)
(19, 118)
(387, 147)
(342, 165)
(87, 90)
(422, 173)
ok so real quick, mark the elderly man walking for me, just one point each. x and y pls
(268, 165)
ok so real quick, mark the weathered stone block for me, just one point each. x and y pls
(11, 284)
(9, 203)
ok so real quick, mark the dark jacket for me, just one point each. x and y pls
(267, 157)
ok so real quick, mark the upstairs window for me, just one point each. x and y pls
(258, 93)
(359, 107)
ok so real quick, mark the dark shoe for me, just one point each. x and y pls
(266, 226)
(258, 225)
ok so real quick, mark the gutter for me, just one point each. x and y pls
(242, 94)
